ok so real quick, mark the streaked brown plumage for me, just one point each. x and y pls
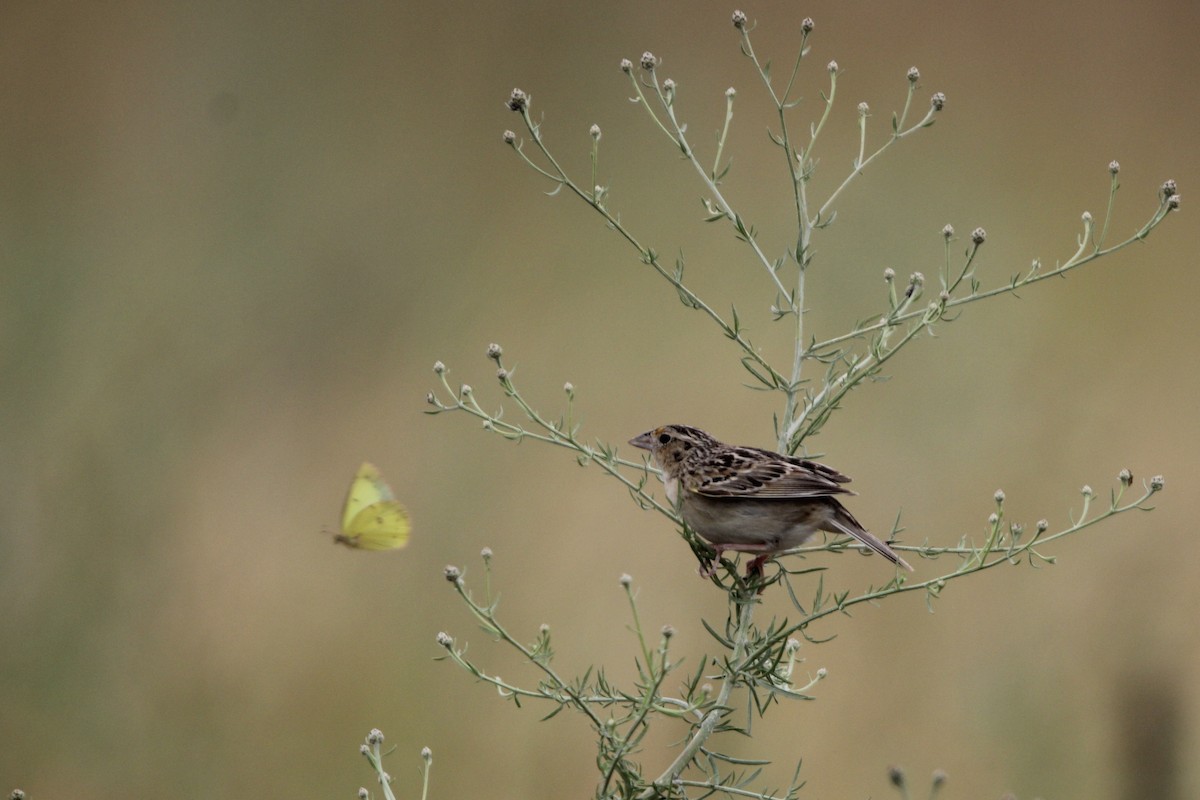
(752, 500)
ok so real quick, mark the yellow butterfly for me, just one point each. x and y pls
(373, 519)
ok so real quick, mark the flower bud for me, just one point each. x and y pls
(518, 100)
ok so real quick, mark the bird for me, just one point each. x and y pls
(752, 500)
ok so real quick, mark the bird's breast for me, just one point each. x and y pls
(671, 487)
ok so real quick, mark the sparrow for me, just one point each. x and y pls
(751, 500)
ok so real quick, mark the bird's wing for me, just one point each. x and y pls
(750, 472)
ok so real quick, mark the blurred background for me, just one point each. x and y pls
(237, 236)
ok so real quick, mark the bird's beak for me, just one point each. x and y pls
(644, 441)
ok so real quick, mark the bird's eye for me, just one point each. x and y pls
(663, 438)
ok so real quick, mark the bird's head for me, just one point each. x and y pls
(671, 444)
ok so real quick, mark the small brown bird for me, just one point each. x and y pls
(752, 500)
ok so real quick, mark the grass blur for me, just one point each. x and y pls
(236, 239)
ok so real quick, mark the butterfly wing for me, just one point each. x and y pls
(373, 519)
(382, 526)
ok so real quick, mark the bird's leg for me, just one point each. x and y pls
(707, 571)
(755, 568)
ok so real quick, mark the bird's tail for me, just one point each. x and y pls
(842, 521)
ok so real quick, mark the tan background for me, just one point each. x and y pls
(236, 236)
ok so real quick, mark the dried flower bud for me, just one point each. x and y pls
(1087, 217)
(863, 109)
(889, 274)
(649, 60)
(979, 236)
(375, 736)
(594, 132)
(363, 794)
(1042, 526)
(444, 639)
(938, 101)
(486, 553)
(494, 351)
(1086, 491)
(730, 92)
(668, 631)
(429, 398)
(739, 19)
(916, 279)
(807, 25)
(439, 367)
(509, 137)
(939, 777)
(993, 518)
(1157, 483)
(914, 74)
(1173, 202)
(626, 65)
(822, 672)
(518, 100)
(792, 645)
(426, 754)
(896, 776)
(948, 232)
(1114, 167)
(1125, 477)
(452, 573)
(1016, 529)
(1169, 187)
(832, 67)
(466, 390)
(669, 86)
(626, 580)
(999, 495)
(569, 388)
(944, 296)
(543, 629)
(502, 375)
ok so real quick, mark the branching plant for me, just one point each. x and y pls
(755, 664)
